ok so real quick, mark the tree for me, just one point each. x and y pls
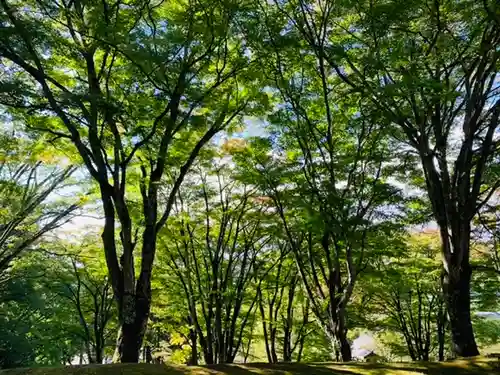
(137, 100)
(363, 119)
(170, 331)
(36, 326)
(328, 224)
(431, 68)
(214, 246)
(326, 179)
(28, 207)
(406, 297)
(89, 293)
(280, 296)
(330, 168)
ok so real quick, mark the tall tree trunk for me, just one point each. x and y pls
(339, 335)
(99, 351)
(193, 336)
(135, 303)
(456, 288)
(273, 330)
(302, 338)
(340, 331)
(148, 355)
(287, 345)
(129, 342)
(441, 347)
(301, 348)
(208, 355)
(288, 322)
(90, 357)
(264, 327)
(441, 329)
(340, 344)
(344, 346)
(133, 328)
(266, 343)
(409, 343)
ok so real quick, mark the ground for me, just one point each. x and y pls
(478, 366)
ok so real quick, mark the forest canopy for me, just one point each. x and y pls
(223, 181)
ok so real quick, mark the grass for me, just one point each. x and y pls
(479, 366)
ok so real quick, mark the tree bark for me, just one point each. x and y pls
(132, 332)
(456, 288)
(305, 321)
(264, 329)
(441, 330)
(287, 346)
(344, 346)
(288, 322)
(98, 353)
(454, 221)
(301, 349)
(148, 356)
(194, 347)
(273, 332)
(440, 347)
(339, 331)
(128, 343)
(134, 298)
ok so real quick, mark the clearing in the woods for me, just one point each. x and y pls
(476, 366)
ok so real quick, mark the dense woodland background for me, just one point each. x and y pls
(209, 181)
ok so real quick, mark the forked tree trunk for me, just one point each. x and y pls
(344, 346)
(133, 297)
(339, 333)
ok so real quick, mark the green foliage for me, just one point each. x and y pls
(49, 304)
(36, 327)
(30, 180)
(263, 170)
(404, 297)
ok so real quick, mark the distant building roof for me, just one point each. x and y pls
(363, 353)
(489, 314)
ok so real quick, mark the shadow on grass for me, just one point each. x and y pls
(425, 368)
(110, 369)
(279, 369)
(464, 367)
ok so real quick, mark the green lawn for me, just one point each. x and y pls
(477, 366)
